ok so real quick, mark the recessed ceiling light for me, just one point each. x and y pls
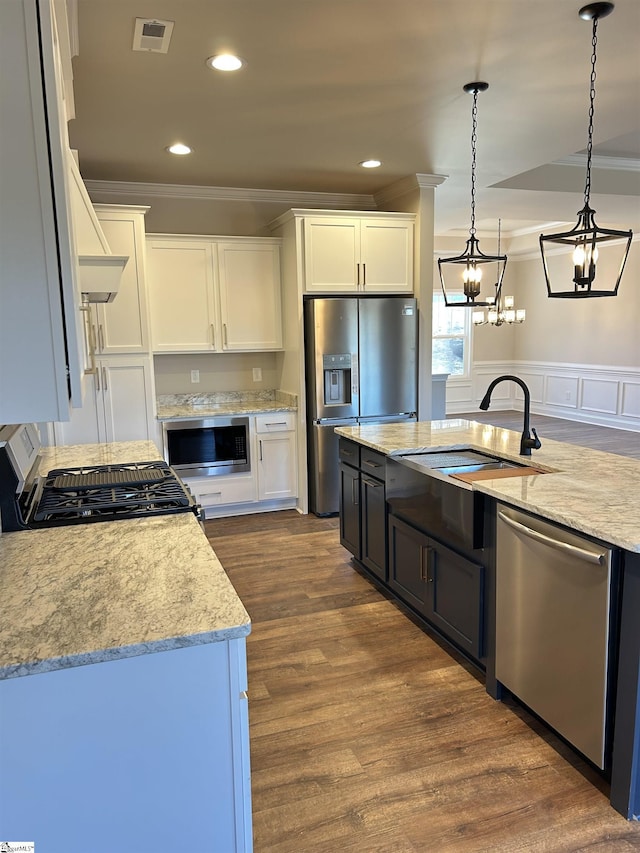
(225, 62)
(371, 164)
(179, 148)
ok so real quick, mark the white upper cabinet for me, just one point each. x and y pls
(355, 254)
(250, 309)
(214, 294)
(122, 326)
(181, 295)
(41, 338)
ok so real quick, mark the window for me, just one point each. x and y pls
(451, 338)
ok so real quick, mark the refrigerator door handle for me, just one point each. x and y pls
(355, 375)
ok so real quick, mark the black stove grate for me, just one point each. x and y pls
(110, 492)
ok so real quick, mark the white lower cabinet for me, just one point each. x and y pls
(276, 452)
(119, 404)
(138, 755)
(222, 491)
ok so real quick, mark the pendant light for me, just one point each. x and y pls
(586, 236)
(501, 309)
(472, 260)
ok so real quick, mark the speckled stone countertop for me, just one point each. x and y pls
(174, 407)
(89, 593)
(590, 491)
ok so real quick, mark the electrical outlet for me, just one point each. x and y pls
(195, 376)
(567, 396)
(257, 374)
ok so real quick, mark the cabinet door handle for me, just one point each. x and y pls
(275, 423)
(354, 493)
(224, 332)
(97, 372)
(260, 443)
(358, 276)
(364, 275)
(91, 338)
(371, 464)
(104, 380)
(375, 484)
(213, 337)
(100, 338)
(425, 564)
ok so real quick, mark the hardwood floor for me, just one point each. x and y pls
(621, 441)
(368, 736)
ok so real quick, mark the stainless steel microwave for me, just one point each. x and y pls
(207, 447)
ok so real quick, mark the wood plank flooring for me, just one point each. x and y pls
(621, 441)
(368, 736)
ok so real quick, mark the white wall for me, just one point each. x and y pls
(599, 331)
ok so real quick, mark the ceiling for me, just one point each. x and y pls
(329, 83)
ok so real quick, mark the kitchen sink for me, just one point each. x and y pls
(467, 465)
(459, 461)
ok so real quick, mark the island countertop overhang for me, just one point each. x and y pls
(590, 491)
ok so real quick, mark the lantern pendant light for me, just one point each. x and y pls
(469, 278)
(586, 236)
(501, 308)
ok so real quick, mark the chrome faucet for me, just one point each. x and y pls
(526, 442)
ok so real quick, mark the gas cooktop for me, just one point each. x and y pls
(107, 493)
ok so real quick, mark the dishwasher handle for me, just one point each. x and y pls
(573, 550)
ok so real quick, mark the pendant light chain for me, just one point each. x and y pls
(474, 141)
(592, 96)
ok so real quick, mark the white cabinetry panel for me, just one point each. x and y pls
(332, 252)
(348, 254)
(40, 322)
(210, 294)
(119, 404)
(277, 470)
(123, 324)
(249, 278)
(181, 293)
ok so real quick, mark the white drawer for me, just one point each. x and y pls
(214, 491)
(276, 422)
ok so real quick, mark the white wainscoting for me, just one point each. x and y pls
(596, 394)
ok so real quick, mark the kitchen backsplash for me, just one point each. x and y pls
(217, 372)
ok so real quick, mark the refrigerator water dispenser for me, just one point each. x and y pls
(337, 379)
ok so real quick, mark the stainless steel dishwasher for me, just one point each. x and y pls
(553, 592)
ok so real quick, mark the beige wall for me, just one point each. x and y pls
(218, 372)
(603, 331)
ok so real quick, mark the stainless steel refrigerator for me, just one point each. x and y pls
(361, 367)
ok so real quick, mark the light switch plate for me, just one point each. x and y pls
(195, 376)
(257, 374)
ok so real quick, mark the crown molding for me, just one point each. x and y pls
(349, 201)
(612, 164)
(405, 186)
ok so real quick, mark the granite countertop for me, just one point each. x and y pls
(97, 592)
(174, 407)
(590, 491)
(76, 455)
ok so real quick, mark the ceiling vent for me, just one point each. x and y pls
(152, 35)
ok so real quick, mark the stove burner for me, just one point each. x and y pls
(110, 492)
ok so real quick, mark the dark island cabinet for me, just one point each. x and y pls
(363, 513)
(350, 509)
(440, 584)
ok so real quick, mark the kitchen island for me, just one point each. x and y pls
(587, 491)
(123, 704)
